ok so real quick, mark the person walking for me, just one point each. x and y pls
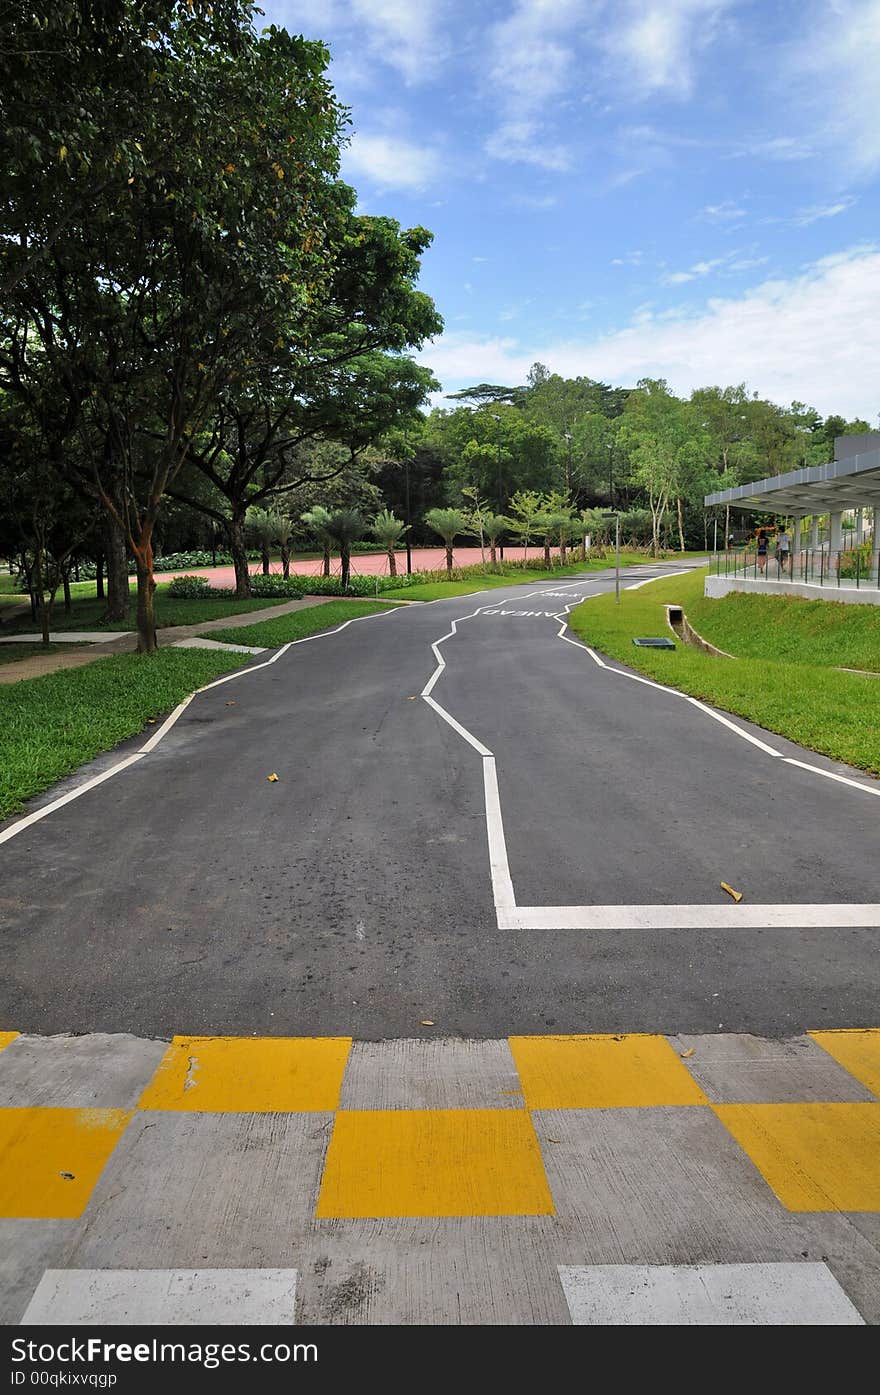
(783, 548)
(763, 543)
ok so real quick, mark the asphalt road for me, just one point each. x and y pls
(188, 894)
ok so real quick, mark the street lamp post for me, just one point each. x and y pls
(408, 519)
(616, 517)
(498, 491)
(611, 473)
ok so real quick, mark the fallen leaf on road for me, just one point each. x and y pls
(426, 1022)
(151, 721)
(232, 703)
(737, 895)
(685, 1054)
(272, 778)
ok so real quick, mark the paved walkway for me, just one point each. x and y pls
(596, 1180)
(39, 664)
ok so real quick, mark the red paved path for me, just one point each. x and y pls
(424, 559)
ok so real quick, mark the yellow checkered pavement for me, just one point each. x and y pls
(487, 1155)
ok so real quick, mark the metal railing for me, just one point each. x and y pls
(849, 567)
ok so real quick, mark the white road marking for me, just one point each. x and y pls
(793, 1294)
(38, 814)
(707, 917)
(510, 916)
(173, 1297)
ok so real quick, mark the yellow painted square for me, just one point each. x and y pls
(857, 1051)
(434, 1162)
(6, 1038)
(602, 1072)
(250, 1075)
(816, 1157)
(50, 1159)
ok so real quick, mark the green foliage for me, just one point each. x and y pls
(190, 588)
(388, 529)
(448, 523)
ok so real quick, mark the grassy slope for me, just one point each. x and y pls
(801, 697)
(299, 623)
(791, 629)
(51, 725)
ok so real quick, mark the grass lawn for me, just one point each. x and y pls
(11, 653)
(86, 612)
(299, 624)
(49, 726)
(800, 697)
(510, 576)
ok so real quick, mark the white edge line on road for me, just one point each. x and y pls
(664, 917)
(502, 886)
(456, 726)
(67, 798)
(831, 775)
(166, 726)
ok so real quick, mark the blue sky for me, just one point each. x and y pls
(684, 189)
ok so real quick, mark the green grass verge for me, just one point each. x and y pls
(299, 624)
(509, 576)
(835, 713)
(86, 612)
(49, 726)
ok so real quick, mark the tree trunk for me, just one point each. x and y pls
(239, 556)
(285, 561)
(680, 525)
(42, 608)
(449, 561)
(118, 593)
(265, 559)
(562, 552)
(392, 562)
(326, 559)
(547, 561)
(492, 554)
(66, 580)
(146, 615)
(583, 547)
(99, 577)
(345, 560)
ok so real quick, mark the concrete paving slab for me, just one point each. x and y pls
(660, 1185)
(450, 1271)
(27, 1249)
(98, 1071)
(170, 1297)
(217, 1190)
(444, 1074)
(68, 637)
(198, 642)
(716, 1295)
(735, 1068)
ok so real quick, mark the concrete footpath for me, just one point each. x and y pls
(599, 1180)
(36, 665)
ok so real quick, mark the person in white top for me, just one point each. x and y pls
(783, 548)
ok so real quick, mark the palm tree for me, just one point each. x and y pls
(449, 523)
(493, 526)
(388, 530)
(262, 527)
(317, 519)
(345, 526)
(285, 530)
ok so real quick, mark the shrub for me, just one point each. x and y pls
(190, 588)
(276, 585)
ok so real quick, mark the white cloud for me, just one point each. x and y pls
(530, 56)
(812, 338)
(539, 202)
(727, 212)
(805, 216)
(520, 141)
(699, 269)
(836, 70)
(404, 34)
(658, 43)
(391, 163)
